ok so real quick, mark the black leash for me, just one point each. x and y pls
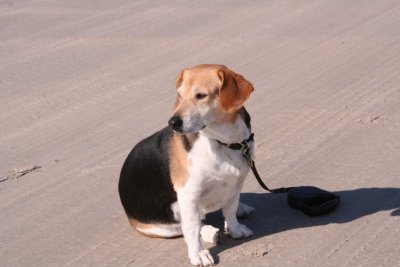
(245, 149)
(311, 200)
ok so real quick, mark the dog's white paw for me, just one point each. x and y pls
(202, 258)
(210, 234)
(244, 210)
(239, 231)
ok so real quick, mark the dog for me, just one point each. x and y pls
(173, 178)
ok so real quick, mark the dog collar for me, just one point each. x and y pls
(239, 146)
(243, 147)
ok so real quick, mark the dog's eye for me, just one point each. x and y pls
(200, 96)
(178, 95)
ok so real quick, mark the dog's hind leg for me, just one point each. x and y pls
(244, 210)
(232, 226)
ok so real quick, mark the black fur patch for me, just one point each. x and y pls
(145, 186)
(246, 116)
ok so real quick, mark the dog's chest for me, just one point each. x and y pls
(217, 171)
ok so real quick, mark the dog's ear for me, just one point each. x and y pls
(179, 79)
(234, 91)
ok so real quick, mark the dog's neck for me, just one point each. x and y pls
(227, 132)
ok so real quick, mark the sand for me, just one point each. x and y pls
(82, 81)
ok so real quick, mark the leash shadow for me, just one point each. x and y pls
(273, 214)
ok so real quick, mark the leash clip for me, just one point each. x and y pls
(243, 147)
(246, 154)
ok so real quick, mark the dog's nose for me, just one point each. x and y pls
(175, 123)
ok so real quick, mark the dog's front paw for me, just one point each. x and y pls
(202, 258)
(239, 231)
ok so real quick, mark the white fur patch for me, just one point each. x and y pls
(216, 176)
(164, 230)
(217, 171)
(238, 230)
(176, 211)
(209, 234)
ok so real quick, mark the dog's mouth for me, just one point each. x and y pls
(184, 126)
(188, 131)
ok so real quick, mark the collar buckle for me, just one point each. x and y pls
(243, 147)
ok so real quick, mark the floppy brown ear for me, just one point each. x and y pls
(235, 90)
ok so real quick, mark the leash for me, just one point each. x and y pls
(245, 149)
(311, 200)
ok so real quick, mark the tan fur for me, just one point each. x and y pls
(179, 79)
(178, 162)
(190, 83)
(217, 82)
(138, 226)
(220, 84)
(235, 90)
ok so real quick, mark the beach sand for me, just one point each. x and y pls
(81, 82)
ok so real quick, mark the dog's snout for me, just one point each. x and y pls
(175, 123)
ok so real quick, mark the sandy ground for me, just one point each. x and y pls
(83, 81)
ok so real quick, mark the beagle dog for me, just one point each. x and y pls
(173, 178)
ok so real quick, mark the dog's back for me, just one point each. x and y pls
(145, 186)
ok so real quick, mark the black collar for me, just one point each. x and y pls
(239, 146)
(244, 148)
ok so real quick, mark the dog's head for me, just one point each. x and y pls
(206, 94)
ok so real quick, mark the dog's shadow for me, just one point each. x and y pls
(273, 214)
